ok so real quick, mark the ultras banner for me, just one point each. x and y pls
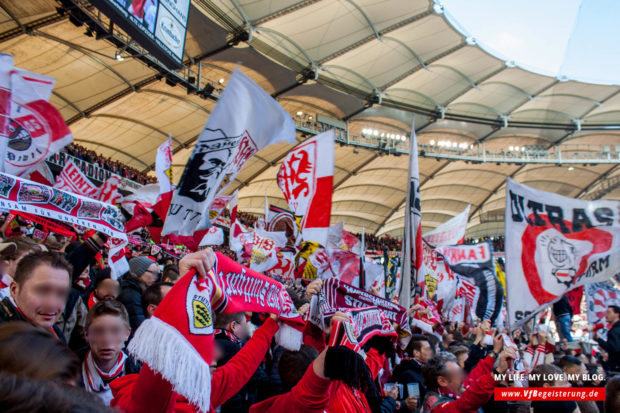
(555, 244)
(27, 196)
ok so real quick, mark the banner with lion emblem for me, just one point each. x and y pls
(555, 244)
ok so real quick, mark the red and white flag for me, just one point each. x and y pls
(36, 129)
(163, 166)
(598, 297)
(218, 205)
(117, 260)
(305, 177)
(245, 120)
(214, 236)
(555, 244)
(108, 192)
(412, 240)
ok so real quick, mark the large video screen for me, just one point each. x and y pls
(157, 25)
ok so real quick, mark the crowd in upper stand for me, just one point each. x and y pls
(108, 164)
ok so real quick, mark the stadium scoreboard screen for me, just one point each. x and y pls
(157, 25)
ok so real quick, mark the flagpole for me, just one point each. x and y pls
(362, 277)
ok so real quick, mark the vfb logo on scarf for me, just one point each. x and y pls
(198, 305)
(555, 244)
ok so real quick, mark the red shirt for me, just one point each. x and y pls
(149, 392)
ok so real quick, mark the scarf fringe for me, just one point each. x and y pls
(288, 337)
(166, 351)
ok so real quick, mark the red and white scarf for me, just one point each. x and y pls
(97, 381)
(178, 340)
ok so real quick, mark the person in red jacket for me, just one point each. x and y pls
(149, 392)
(447, 391)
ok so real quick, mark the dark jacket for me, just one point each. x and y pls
(612, 347)
(8, 313)
(254, 391)
(409, 371)
(131, 297)
(562, 307)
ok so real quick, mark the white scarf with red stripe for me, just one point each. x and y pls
(97, 381)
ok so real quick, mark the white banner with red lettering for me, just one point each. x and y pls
(555, 244)
(245, 120)
(36, 129)
(305, 177)
(72, 179)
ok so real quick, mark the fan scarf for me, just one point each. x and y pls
(97, 381)
(338, 295)
(365, 323)
(178, 340)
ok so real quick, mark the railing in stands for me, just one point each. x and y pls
(92, 171)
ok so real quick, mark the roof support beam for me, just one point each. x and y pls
(131, 120)
(372, 37)
(356, 170)
(427, 63)
(29, 27)
(514, 173)
(597, 180)
(397, 207)
(283, 12)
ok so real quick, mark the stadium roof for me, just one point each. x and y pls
(367, 62)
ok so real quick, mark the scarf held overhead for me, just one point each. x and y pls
(339, 296)
(178, 340)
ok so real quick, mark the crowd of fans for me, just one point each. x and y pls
(65, 324)
(497, 241)
(108, 164)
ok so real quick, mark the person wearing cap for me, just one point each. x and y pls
(143, 272)
(16, 248)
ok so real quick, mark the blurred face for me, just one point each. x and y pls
(152, 307)
(461, 359)
(107, 289)
(43, 296)
(240, 329)
(152, 275)
(106, 336)
(611, 316)
(453, 379)
(425, 353)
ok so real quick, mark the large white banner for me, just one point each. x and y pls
(555, 244)
(450, 232)
(245, 120)
(306, 177)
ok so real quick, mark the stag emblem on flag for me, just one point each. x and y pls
(296, 176)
